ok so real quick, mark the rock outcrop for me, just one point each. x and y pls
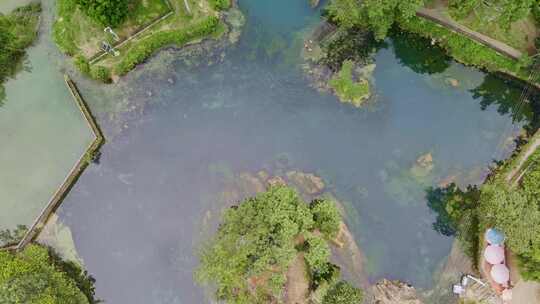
(393, 292)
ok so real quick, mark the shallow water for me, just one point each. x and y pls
(42, 135)
(136, 216)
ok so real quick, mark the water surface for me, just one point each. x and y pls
(137, 215)
(42, 135)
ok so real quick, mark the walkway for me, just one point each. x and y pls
(437, 17)
(522, 159)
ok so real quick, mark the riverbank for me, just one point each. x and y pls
(470, 52)
(151, 26)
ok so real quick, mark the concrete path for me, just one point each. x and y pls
(437, 17)
(523, 157)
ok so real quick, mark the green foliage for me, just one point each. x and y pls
(346, 88)
(257, 241)
(460, 47)
(317, 254)
(377, 15)
(17, 31)
(255, 237)
(460, 9)
(517, 213)
(346, 13)
(381, 14)
(34, 276)
(105, 12)
(514, 10)
(62, 33)
(100, 73)
(220, 5)
(149, 45)
(82, 64)
(356, 44)
(326, 217)
(12, 237)
(343, 293)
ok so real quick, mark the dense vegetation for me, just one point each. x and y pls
(259, 238)
(143, 50)
(37, 276)
(17, 31)
(105, 12)
(376, 15)
(515, 211)
(379, 16)
(507, 11)
(346, 88)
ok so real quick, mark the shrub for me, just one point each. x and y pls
(149, 45)
(82, 64)
(36, 276)
(461, 48)
(317, 255)
(326, 217)
(343, 293)
(100, 73)
(220, 5)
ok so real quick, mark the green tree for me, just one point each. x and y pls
(462, 8)
(346, 13)
(105, 12)
(343, 293)
(255, 237)
(17, 31)
(34, 276)
(326, 217)
(317, 255)
(380, 15)
(514, 10)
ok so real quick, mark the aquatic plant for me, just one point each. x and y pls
(348, 90)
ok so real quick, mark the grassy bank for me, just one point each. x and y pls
(150, 26)
(17, 31)
(465, 50)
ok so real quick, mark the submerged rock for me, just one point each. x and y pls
(423, 166)
(306, 182)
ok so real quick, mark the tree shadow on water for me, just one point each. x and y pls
(510, 97)
(418, 53)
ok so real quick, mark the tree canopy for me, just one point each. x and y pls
(515, 211)
(35, 276)
(377, 15)
(17, 31)
(258, 239)
(105, 12)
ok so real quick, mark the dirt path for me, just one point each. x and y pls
(443, 20)
(297, 286)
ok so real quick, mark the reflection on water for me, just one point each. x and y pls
(136, 217)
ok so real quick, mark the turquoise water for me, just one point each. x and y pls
(137, 216)
(42, 132)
